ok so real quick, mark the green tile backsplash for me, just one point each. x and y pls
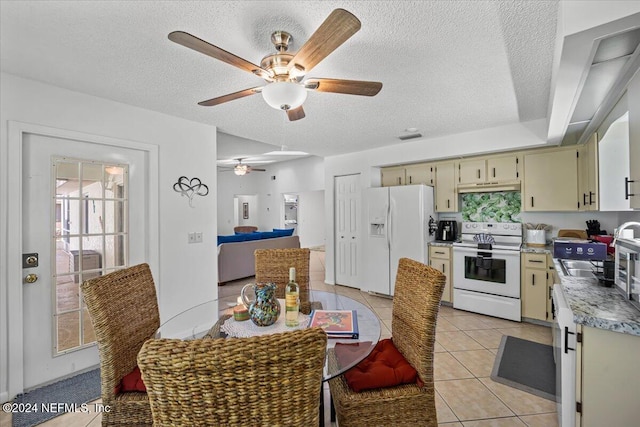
(491, 207)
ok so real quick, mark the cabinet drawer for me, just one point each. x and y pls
(439, 252)
(535, 261)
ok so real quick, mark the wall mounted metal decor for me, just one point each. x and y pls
(190, 187)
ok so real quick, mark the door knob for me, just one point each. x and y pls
(31, 278)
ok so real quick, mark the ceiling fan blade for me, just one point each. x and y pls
(257, 170)
(199, 45)
(349, 87)
(296, 114)
(339, 26)
(230, 97)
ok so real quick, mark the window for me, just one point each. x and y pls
(90, 239)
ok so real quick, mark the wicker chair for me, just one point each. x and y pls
(267, 380)
(124, 311)
(245, 229)
(413, 327)
(272, 265)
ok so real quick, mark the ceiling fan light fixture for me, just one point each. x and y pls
(240, 169)
(284, 95)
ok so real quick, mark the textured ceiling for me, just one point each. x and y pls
(446, 66)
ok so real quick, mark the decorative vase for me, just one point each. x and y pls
(264, 310)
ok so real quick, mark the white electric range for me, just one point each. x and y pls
(486, 269)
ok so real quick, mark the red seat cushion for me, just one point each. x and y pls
(131, 382)
(384, 367)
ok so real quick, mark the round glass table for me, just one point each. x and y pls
(215, 318)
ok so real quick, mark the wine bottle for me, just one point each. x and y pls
(292, 300)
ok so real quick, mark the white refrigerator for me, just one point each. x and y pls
(398, 226)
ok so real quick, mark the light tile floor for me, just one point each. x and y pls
(466, 345)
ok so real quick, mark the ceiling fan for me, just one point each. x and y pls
(284, 72)
(243, 168)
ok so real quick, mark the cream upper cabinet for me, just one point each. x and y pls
(588, 175)
(446, 195)
(418, 174)
(472, 171)
(551, 181)
(504, 168)
(475, 174)
(632, 184)
(393, 176)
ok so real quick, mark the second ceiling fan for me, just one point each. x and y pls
(284, 72)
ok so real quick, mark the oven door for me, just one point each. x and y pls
(491, 271)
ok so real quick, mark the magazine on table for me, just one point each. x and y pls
(336, 323)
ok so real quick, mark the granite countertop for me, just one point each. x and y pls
(598, 306)
(548, 249)
(441, 243)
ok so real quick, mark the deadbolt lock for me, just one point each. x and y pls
(31, 278)
(30, 260)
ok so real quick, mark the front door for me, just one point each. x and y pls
(347, 205)
(84, 213)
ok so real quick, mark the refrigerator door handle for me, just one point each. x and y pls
(388, 227)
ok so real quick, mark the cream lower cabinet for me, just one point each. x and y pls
(607, 378)
(535, 286)
(440, 259)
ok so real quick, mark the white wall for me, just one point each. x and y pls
(186, 273)
(302, 177)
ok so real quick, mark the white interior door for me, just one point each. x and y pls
(347, 205)
(43, 218)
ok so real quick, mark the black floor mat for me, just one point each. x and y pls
(527, 366)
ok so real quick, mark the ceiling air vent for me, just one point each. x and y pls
(410, 136)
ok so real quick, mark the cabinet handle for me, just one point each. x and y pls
(591, 194)
(584, 199)
(438, 252)
(443, 268)
(627, 181)
(478, 173)
(410, 180)
(494, 172)
(531, 201)
(399, 180)
(566, 340)
(448, 203)
(533, 279)
(536, 260)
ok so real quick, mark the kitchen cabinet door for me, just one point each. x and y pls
(633, 183)
(472, 171)
(588, 175)
(534, 287)
(418, 174)
(551, 181)
(393, 176)
(440, 259)
(446, 195)
(500, 169)
(607, 385)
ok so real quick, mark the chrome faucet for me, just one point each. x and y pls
(622, 227)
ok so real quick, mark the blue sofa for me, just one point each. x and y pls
(235, 252)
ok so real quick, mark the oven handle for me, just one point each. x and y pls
(491, 251)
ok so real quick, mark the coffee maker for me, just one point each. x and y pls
(447, 230)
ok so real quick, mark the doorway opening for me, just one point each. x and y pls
(290, 210)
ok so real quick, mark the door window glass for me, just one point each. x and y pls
(90, 239)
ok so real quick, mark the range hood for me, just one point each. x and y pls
(489, 187)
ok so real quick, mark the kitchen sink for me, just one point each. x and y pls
(576, 272)
(577, 264)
